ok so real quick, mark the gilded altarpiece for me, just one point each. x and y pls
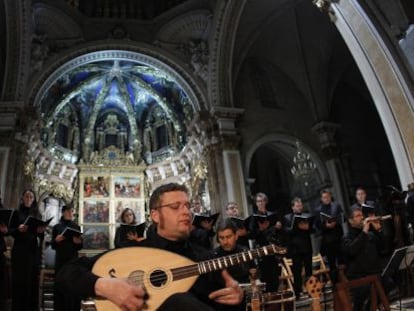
(105, 190)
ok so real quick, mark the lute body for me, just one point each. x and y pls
(163, 273)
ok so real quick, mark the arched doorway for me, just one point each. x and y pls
(269, 167)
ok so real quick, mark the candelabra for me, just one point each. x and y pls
(303, 165)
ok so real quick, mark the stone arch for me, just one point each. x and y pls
(384, 79)
(283, 147)
(286, 142)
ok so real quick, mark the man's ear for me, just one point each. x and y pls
(155, 216)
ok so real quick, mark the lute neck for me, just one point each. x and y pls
(220, 263)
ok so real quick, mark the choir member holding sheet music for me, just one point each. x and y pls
(298, 228)
(67, 241)
(262, 209)
(129, 232)
(26, 255)
(368, 207)
(328, 221)
(203, 229)
(267, 233)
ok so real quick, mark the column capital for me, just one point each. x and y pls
(326, 133)
(226, 118)
(230, 142)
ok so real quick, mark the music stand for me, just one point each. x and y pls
(408, 258)
(394, 263)
(401, 259)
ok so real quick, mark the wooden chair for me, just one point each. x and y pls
(286, 277)
(319, 268)
(322, 271)
(46, 282)
(343, 300)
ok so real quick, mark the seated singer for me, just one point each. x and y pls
(362, 247)
(227, 239)
(170, 211)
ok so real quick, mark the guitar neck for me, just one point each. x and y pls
(220, 263)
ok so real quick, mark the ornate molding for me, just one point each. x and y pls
(9, 113)
(110, 156)
(186, 36)
(225, 24)
(226, 119)
(46, 173)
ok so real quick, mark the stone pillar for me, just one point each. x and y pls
(232, 173)
(12, 151)
(326, 134)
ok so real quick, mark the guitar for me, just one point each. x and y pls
(314, 289)
(163, 273)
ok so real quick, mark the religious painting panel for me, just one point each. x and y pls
(96, 187)
(95, 211)
(127, 187)
(96, 237)
(104, 193)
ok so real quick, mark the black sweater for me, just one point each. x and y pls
(363, 252)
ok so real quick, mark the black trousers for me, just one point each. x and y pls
(332, 251)
(65, 301)
(298, 261)
(25, 283)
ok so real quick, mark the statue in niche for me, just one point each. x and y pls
(75, 140)
(199, 58)
(137, 148)
(129, 156)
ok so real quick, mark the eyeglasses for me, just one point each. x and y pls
(176, 205)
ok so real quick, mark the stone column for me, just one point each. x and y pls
(326, 134)
(232, 172)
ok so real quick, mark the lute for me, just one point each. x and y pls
(163, 273)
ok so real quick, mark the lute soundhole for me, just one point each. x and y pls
(158, 278)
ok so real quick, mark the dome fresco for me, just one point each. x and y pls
(121, 102)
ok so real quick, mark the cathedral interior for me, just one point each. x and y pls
(101, 101)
